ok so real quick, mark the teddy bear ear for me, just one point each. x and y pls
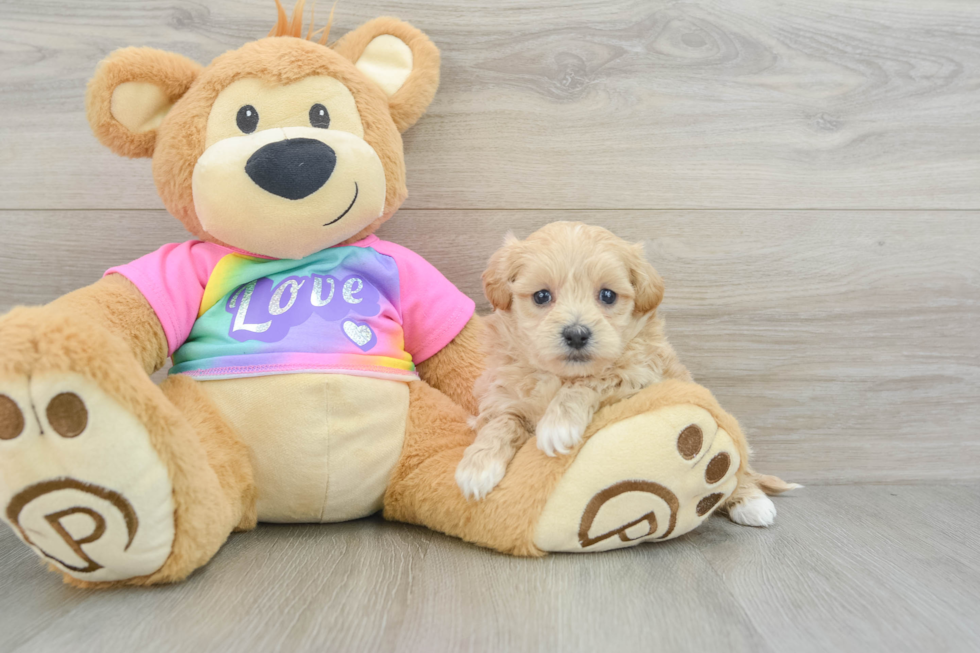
(398, 58)
(131, 93)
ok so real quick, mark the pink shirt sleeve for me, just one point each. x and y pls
(433, 310)
(173, 279)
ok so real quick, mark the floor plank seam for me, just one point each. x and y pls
(722, 582)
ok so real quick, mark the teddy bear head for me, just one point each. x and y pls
(281, 148)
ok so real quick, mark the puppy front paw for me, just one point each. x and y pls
(755, 510)
(479, 472)
(557, 433)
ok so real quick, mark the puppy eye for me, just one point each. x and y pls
(607, 296)
(319, 116)
(247, 119)
(541, 297)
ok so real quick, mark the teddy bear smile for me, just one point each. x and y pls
(346, 211)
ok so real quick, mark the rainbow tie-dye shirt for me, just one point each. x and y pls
(372, 308)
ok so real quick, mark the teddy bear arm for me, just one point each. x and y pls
(455, 368)
(114, 303)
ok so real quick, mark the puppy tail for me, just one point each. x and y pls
(773, 484)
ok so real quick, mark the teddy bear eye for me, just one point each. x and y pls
(541, 297)
(247, 119)
(319, 116)
(607, 296)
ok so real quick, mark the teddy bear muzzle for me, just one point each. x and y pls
(288, 192)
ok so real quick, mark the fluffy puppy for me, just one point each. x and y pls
(574, 329)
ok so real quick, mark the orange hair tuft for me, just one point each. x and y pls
(286, 26)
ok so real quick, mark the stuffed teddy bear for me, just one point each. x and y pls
(319, 373)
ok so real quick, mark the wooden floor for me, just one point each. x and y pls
(805, 175)
(858, 568)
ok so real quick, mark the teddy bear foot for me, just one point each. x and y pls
(653, 476)
(80, 482)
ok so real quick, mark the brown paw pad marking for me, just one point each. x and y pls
(11, 419)
(706, 504)
(67, 414)
(594, 507)
(29, 494)
(689, 442)
(717, 468)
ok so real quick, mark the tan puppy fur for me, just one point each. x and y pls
(575, 329)
(560, 346)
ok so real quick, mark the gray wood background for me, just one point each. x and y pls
(806, 176)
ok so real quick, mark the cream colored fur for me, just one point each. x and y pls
(536, 385)
(328, 456)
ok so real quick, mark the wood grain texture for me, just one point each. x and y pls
(581, 104)
(845, 343)
(860, 568)
(844, 340)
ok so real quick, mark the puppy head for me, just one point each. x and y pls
(572, 295)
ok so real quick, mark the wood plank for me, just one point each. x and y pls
(279, 588)
(845, 343)
(31, 598)
(585, 104)
(633, 600)
(858, 569)
(862, 568)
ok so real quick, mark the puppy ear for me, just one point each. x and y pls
(130, 95)
(648, 285)
(501, 271)
(398, 58)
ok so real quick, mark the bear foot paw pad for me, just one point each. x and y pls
(653, 476)
(80, 482)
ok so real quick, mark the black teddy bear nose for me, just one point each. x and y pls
(293, 168)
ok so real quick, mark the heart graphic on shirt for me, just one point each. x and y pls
(360, 334)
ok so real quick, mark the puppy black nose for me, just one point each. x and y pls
(292, 168)
(576, 336)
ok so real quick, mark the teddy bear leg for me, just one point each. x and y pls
(650, 468)
(422, 489)
(109, 478)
